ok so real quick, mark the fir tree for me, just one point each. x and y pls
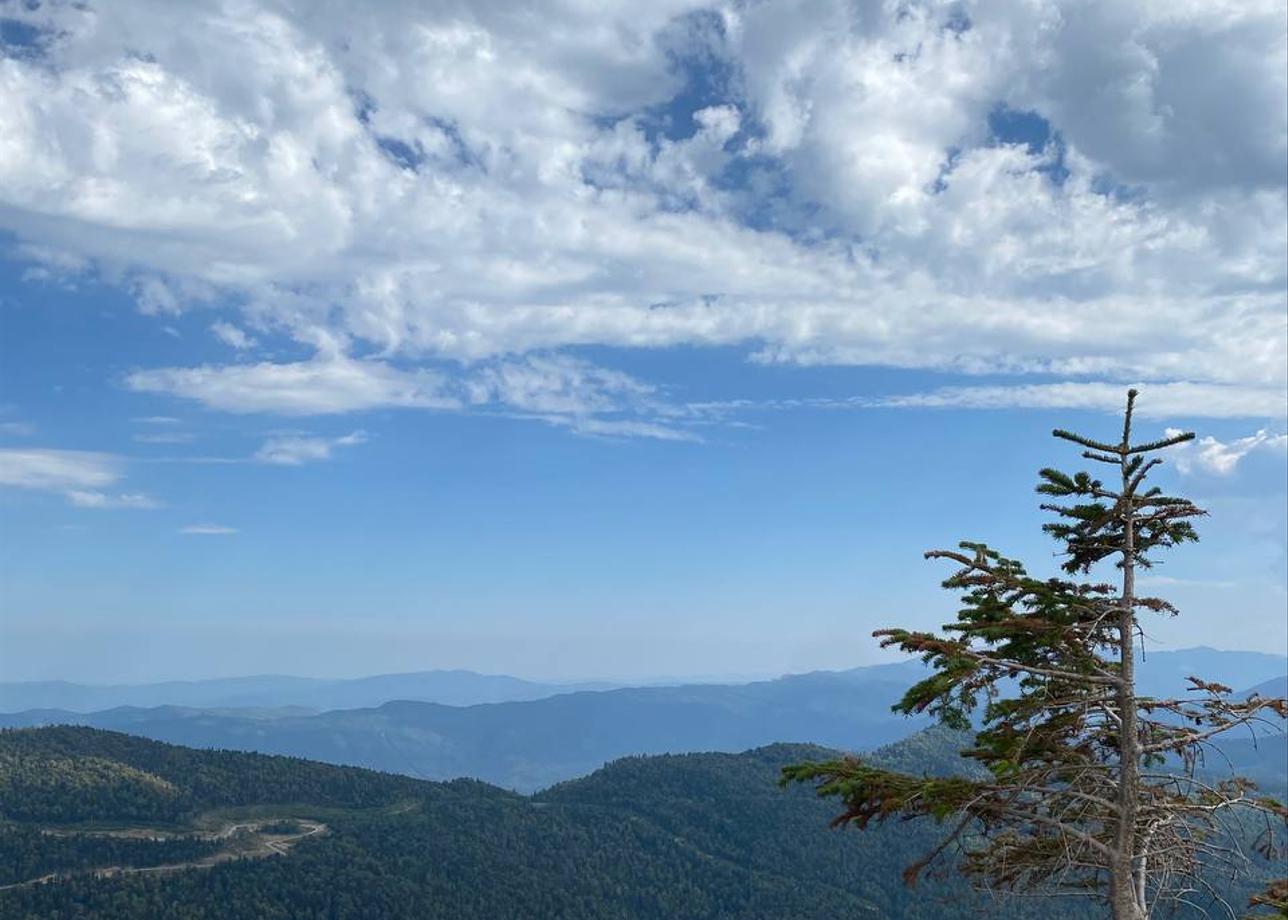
(1086, 788)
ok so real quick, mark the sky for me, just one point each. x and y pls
(616, 340)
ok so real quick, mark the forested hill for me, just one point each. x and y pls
(665, 837)
(647, 838)
(679, 836)
(67, 774)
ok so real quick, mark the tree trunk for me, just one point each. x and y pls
(1126, 892)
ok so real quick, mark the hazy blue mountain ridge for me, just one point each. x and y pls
(452, 688)
(531, 744)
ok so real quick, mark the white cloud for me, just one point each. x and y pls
(434, 185)
(295, 450)
(554, 388)
(79, 476)
(579, 396)
(1220, 458)
(207, 530)
(619, 428)
(17, 429)
(321, 386)
(231, 335)
(556, 385)
(84, 499)
(1159, 400)
(56, 470)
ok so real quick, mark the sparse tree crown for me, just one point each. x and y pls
(1086, 788)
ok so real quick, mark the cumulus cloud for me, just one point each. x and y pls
(296, 450)
(1220, 458)
(1094, 192)
(79, 476)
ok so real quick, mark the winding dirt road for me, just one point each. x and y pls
(259, 846)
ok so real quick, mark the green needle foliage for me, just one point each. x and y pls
(1082, 787)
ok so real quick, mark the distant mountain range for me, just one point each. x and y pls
(527, 744)
(274, 691)
(1164, 673)
(1165, 670)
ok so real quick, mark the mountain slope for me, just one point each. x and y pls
(701, 836)
(1276, 687)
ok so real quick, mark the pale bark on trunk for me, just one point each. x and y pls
(1126, 889)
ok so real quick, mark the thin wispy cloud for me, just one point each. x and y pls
(57, 470)
(558, 389)
(231, 335)
(1158, 400)
(296, 450)
(330, 385)
(172, 437)
(83, 499)
(207, 530)
(81, 477)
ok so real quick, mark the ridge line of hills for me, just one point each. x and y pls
(462, 687)
(531, 744)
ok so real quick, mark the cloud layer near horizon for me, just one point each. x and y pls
(1093, 191)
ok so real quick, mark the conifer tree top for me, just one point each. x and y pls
(1082, 785)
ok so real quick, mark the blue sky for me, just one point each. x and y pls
(662, 346)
